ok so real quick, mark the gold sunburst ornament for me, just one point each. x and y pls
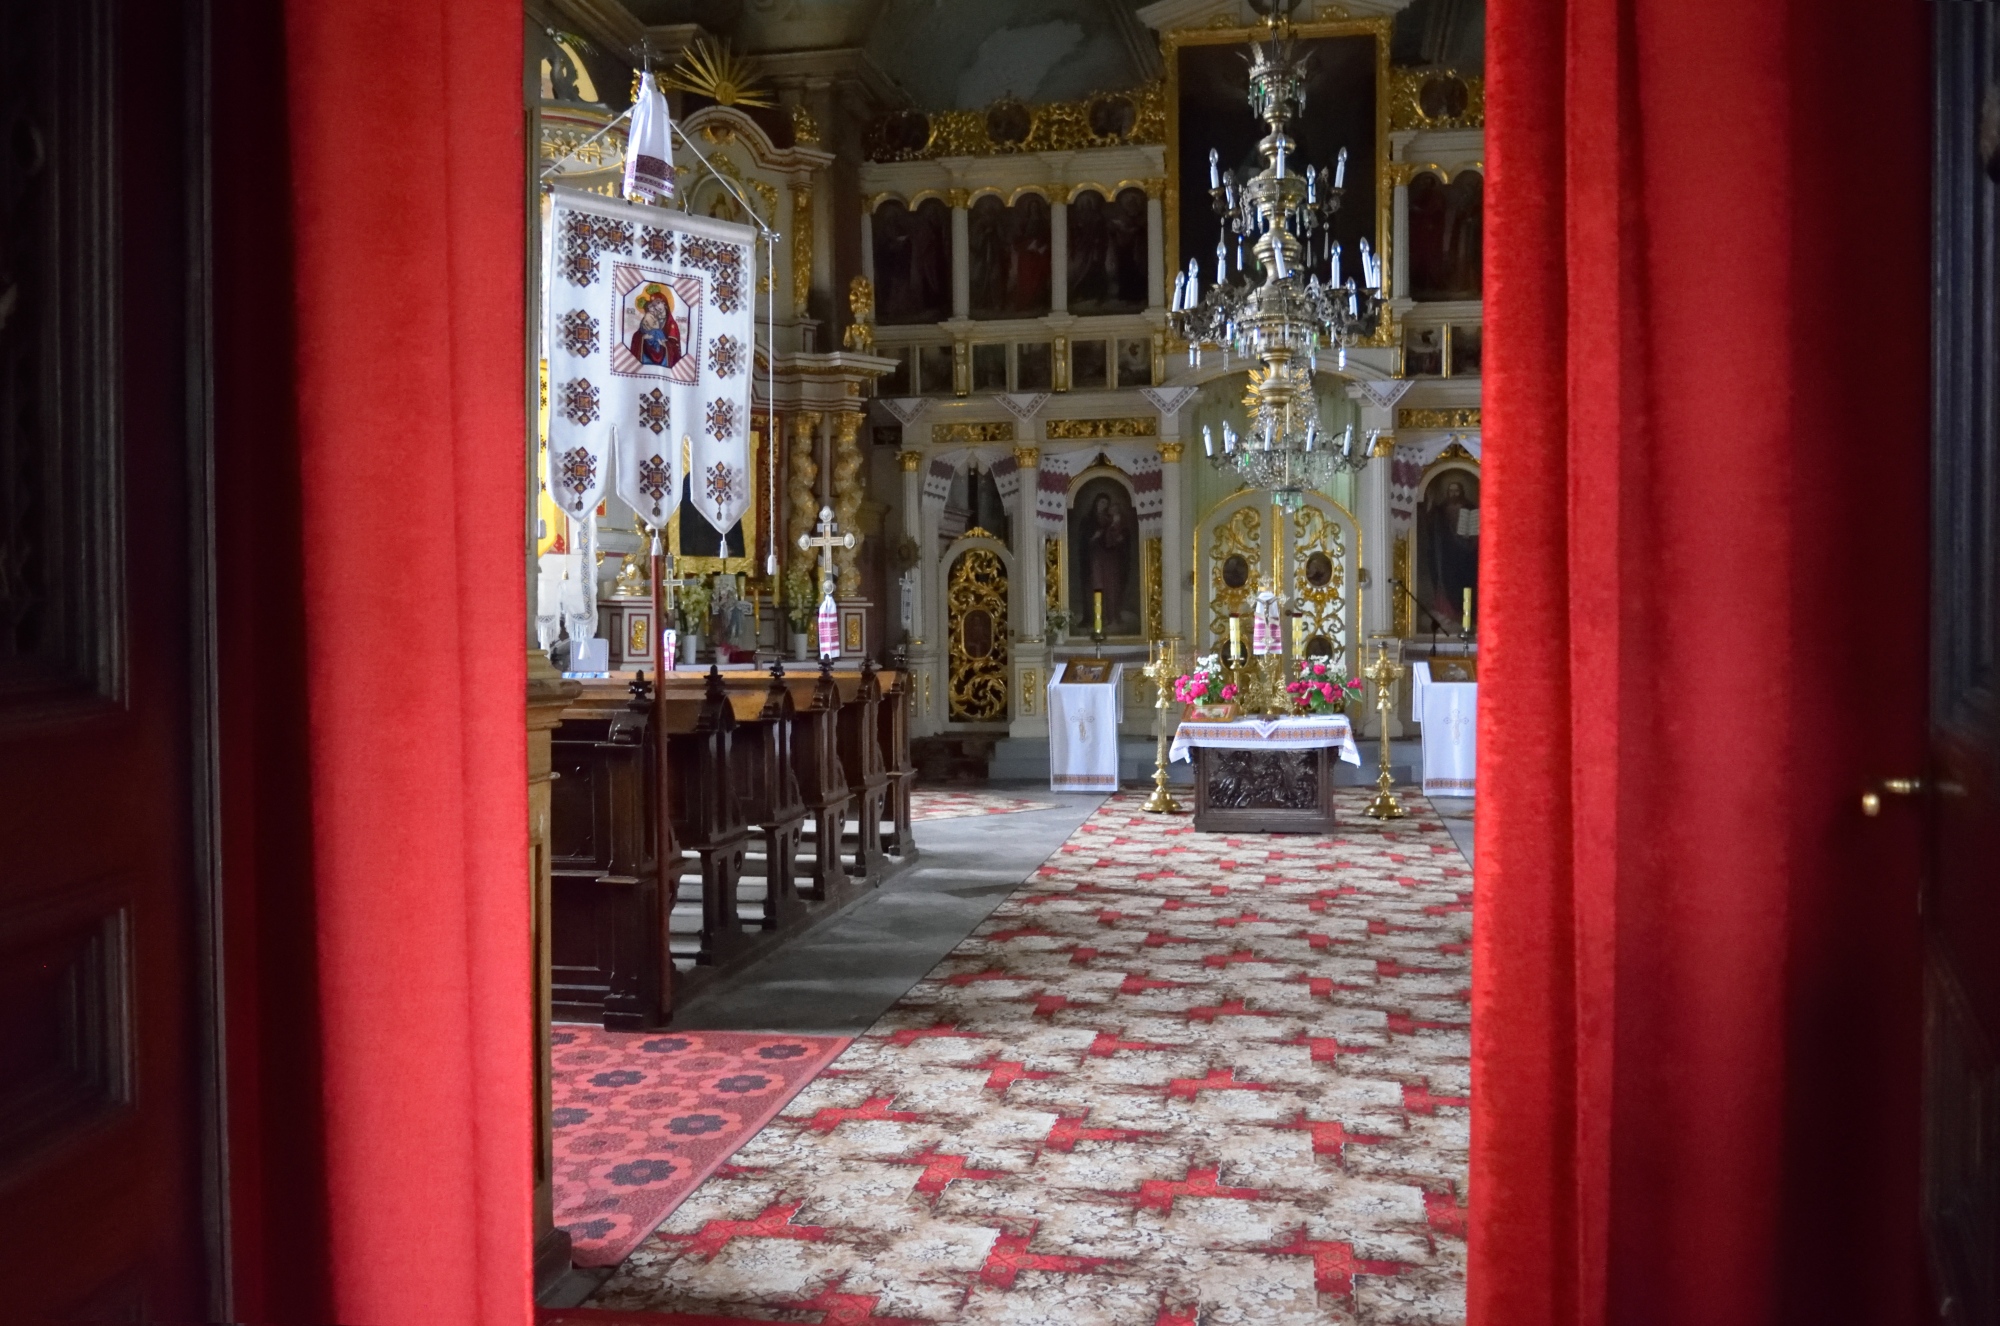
(712, 70)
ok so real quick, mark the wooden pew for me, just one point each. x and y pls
(861, 761)
(707, 812)
(822, 781)
(893, 735)
(767, 789)
(609, 897)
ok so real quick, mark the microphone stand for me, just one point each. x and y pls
(1436, 622)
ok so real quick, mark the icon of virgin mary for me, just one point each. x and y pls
(657, 342)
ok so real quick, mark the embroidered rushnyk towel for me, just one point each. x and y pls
(1301, 733)
(1450, 716)
(650, 341)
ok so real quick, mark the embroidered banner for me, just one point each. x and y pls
(650, 338)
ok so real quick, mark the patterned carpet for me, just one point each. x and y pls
(642, 1117)
(942, 803)
(1176, 1079)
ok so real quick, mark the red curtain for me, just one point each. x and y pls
(1695, 1007)
(369, 246)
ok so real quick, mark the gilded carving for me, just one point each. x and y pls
(1170, 452)
(802, 488)
(1031, 686)
(961, 367)
(1399, 573)
(1150, 578)
(1059, 363)
(1385, 445)
(911, 461)
(1319, 576)
(1107, 119)
(805, 129)
(1071, 430)
(1436, 99)
(1000, 430)
(860, 334)
(1028, 458)
(976, 613)
(802, 247)
(1236, 556)
(1423, 418)
(956, 198)
(1052, 575)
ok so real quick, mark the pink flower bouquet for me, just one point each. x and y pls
(1317, 689)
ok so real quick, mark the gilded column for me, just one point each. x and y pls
(847, 499)
(1174, 537)
(802, 487)
(961, 253)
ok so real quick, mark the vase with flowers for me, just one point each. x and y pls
(1206, 689)
(1317, 688)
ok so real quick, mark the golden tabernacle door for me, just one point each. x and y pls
(1309, 556)
(976, 615)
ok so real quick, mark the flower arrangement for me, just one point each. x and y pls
(1205, 683)
(691, 605)
(801, 602)
(1318, 689)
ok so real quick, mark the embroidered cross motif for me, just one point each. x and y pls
(653, 410)
(584, 237)
(655, 243)
(579, 401)
(725, 356)
(721, 418)
(723, 262)
(721, 486)
(653, 478)
(579, 333)
(578, 472)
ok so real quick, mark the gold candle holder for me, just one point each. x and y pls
(1162, 671)
(1385, 674)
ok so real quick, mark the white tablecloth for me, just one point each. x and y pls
(1449, 711)
(1305, 732)
(1083, 733)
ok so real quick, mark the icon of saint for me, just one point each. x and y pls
(657, 342)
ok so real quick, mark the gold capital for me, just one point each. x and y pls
(910, 460)
(957, 197)
(1385, 445)
(1028, 458)
(1170, 452)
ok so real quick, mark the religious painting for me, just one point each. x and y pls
(1089, 366)
(1465, 346)
(1086, 672)
(912, 262)
(1104, 558)
(1033, 366)
(1446, 242)
(1008, 253)
(1135, 362)
(638, 634)
(1346, 106)
(1107, 253)
(657, 321)
(934, 370)
(1423, 352)
(1448, 547)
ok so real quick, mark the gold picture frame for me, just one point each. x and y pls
(1172, 43)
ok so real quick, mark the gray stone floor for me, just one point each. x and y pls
(842, 975)
(1457, 815)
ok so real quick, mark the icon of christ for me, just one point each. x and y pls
(657, 342)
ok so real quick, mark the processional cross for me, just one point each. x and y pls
(826, 541)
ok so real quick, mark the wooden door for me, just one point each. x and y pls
(102, 1107)
(1961, 789)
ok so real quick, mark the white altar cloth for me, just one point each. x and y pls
(1083, 733)
(1449, 711)
(1304, 732)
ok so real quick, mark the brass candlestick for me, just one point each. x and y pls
(1161, 672)
(1384, 674)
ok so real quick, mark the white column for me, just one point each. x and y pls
(1173, 537)
(932, 627)
(868, 244)
(1028, 543)
(1378, 598)
(1059, 257)
(961, 255)
(913, 527)
(1156, 254)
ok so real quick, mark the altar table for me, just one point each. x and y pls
(1261, 775)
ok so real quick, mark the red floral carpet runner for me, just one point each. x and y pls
(945, 804)
(1175, 1078)
(641, 1118)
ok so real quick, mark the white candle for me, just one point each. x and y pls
(1214, 170)
(1340, 168)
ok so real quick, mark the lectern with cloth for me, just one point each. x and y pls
(1086, 704)
(1444, 697)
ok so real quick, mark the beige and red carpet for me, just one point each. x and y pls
(641, 1118)
(1176, 1078)
(946, 803)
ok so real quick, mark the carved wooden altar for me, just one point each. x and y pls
(1251, 791)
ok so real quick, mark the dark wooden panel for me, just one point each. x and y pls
(65, 1032)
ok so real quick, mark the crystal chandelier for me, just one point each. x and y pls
(1285, 319)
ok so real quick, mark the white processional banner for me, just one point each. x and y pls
(650, 345)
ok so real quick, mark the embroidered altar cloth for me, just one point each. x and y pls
(1083, 733)
(1449, 711)
(1302, 732)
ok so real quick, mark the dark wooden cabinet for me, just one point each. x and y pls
(1248, 791)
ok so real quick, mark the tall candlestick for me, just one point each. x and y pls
(1097, 611)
